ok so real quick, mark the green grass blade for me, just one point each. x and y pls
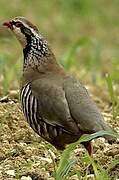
(68, 58)
(116, 111)
(63, 172)
(110, 88)
(87, 137)
(111, 91)
(114, 163)
(115, 108)
(78, 175)
(64, 161)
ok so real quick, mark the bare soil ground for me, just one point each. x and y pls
(23, 153)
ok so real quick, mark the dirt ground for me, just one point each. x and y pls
(24, 155)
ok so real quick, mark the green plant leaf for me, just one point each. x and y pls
(64, 161)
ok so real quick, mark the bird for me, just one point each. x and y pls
(55, 104)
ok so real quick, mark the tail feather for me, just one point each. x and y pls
(109, 138)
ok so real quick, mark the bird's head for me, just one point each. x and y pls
(22, 28)
(35, 48)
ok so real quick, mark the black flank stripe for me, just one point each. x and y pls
(42, 128)
(23, 97)
(28, 104)
(34, 114)
(25, 102)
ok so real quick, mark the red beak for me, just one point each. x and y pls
(8, 24)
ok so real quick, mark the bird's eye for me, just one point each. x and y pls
(18, 24)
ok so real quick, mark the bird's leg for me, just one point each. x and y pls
(89, 147)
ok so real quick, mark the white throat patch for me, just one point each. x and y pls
(20, 36)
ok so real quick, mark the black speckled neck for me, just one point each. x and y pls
(35, 50)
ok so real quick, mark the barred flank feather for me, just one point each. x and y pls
(30, 110)
(29, 106)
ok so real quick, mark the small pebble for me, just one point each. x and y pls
(14, 94)
(10, 172)
(90, 177)
(52, 154)
(46, 159)
(26, 178)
